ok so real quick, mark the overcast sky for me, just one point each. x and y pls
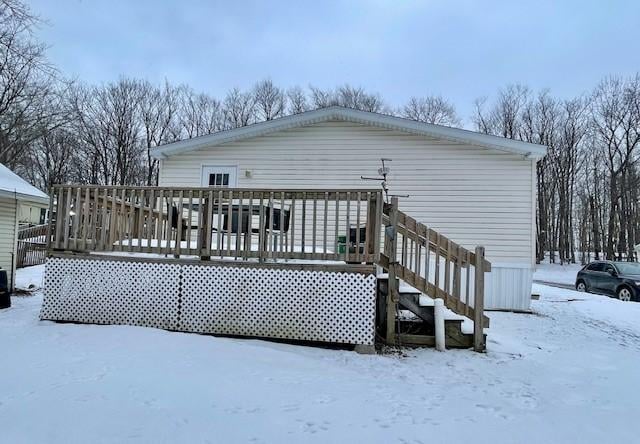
(400, 48)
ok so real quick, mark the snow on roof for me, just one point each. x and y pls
(13, 185)
(351, 115)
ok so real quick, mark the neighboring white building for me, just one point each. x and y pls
(14, 194)
(475, 188)
(32, 213)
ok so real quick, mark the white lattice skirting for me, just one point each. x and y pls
(324, 306)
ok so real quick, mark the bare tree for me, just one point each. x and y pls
(347, 96)
(503, 118)
(27, 85)
(14, 12)
(536, 121)
(270, 100)
(239, 108)
(616, 130)
(53, 159)
(108, 123)
(200, 114)
(589, 182)
(431, 109)
(358, 98)
(297, 100)
(561, 126)
(159, 118)
(322, 98)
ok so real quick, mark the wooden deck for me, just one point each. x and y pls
(347, 229)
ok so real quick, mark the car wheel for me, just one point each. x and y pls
(581, 287)
(624, 294)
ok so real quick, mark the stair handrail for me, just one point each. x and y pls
(423, 242)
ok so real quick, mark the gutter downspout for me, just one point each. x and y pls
(12, 278)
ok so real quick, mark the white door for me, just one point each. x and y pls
(220, 176)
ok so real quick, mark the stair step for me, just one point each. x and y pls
(408, 289)
(409, 301)
(426, 301)
(403, 288)
(463, 341)
(420, 330)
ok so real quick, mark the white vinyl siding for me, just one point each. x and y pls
(8, 227)
(474, 195)
(508, 288)
(30, 213)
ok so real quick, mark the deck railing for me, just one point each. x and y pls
(30, 253)
(336, 225)
(435, 265)
(271, 225)
(32, 246)
(36, 233)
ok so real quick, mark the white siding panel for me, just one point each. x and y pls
(8, 228)
(29, 213)
(476, 196)
(508, 288)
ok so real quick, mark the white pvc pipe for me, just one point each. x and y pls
(438, 312)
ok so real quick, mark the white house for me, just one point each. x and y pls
(15, 193)
(475, 188)
(32, 213)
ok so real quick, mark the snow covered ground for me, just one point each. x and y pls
(567, 373)
(30, 278)
(561, 274)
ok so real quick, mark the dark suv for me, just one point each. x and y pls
(619, 279)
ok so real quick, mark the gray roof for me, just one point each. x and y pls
(351, 115)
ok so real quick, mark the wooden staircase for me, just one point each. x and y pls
(415, 322)
(423, 265)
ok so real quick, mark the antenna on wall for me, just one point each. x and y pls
(383, 173)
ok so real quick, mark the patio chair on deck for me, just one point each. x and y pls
(237, 229)
(280, 227)
(174, 222)
(281, 220)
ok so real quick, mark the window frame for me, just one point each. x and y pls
(207, 170)
(596, 264)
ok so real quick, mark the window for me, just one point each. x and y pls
(609, 268)
(220, 176)
(219, 180)
(598, 266)
(629, 268)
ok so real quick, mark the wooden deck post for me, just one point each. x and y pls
(60, 205)
(205, 207)
(372, 234)
(390, 248)
(50, 228)
(478, 302)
